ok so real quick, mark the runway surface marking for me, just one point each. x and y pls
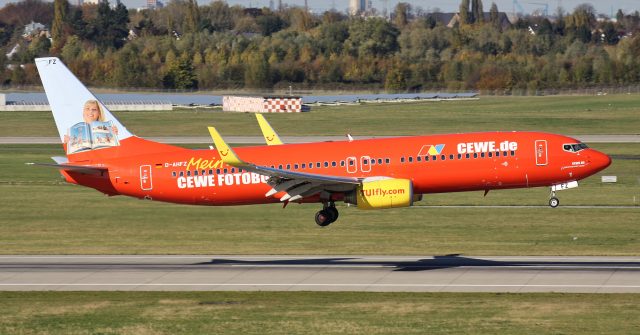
(526, 206)
(451, 273)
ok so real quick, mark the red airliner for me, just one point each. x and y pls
(371, 174)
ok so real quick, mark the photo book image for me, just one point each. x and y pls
(84, 136)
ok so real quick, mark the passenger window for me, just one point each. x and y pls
(365, 162)
(195, 172)
(379, 161)
(181, 173)
(475, 155)
(311, 165)
(304, 165)
(295, 166)
(373, 161)
(218, 171)
(288, 166)
(210, 171)
(434, 158)
(341, 163)
(490, 154)
(443, 157)
(351, 162)
(505, 154)
(326, 164)
(497, 153)
(387, 160)
(482, 155)
(513, 153)
(173, 174)
(419, 159)
(467, 156)
(333, 164)
(410, 159)
(426, 158)
(317, 164)
(459, 156)
(401, 159)
(450, 156)
(233, 170)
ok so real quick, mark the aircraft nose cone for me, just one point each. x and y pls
(600, 160)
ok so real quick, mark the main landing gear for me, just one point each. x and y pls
(328, 215)
(553, 201)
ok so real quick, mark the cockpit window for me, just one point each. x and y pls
(574, 147)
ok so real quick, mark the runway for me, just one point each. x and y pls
(293, 139)
(452, 273)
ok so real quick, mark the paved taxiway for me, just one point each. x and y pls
(293, 139)
(451, 273)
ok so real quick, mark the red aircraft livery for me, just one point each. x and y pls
(371, 174)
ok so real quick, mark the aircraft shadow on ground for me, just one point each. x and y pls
(435, 263)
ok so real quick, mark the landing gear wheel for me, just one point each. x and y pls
(554, 202)
(333, 212)
(323, 218)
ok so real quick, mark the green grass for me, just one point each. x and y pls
(611, 114)
(42, 215)
(316, 313)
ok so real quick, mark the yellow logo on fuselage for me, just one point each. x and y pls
(203, 164)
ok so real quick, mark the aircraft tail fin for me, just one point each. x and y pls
(84, 123)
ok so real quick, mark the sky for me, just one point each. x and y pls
(603, 7)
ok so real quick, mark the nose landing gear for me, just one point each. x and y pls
(553, 201)
(328, 215)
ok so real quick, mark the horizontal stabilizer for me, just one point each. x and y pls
(75, 168)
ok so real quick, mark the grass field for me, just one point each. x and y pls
(42, 215)
(575, 115)
(316, 313)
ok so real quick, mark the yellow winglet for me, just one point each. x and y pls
(226, 153)
(269, 134)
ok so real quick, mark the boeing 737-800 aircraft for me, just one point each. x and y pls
(371, 174)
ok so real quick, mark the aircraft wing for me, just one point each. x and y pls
(268, 133)
(297, 185)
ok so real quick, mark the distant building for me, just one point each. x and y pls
(91, 2)
(262, 104)
(451, 20)
(359, 7)
(33, 28)
(153, 4)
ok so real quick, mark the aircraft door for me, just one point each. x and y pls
(145, 178)
(365, 164)
(541, 153)
(352, 164)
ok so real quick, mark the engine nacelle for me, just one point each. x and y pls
(382, 193)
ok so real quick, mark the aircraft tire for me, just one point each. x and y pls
(554, 202)
(333, 212)
(323, 218)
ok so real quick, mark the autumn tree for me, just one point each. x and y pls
(465, 16)
(58, 34)
(478, 12)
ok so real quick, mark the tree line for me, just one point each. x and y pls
(184, 45)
